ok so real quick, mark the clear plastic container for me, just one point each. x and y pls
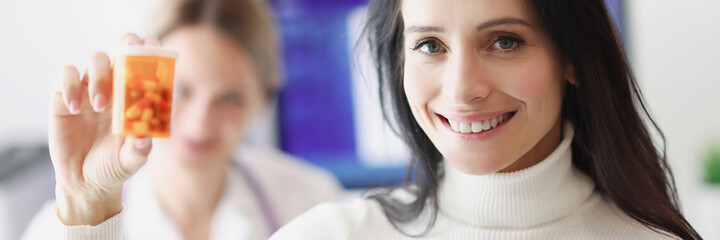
(142, 91)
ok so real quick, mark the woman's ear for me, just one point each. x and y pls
(569, 74)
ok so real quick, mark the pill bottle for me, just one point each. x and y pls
(142, 90)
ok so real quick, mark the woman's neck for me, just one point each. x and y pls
(188, 196)
(540, 151)
(540, 194)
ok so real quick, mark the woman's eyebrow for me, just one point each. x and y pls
(421, 29)
(482, 26)
(502, 21)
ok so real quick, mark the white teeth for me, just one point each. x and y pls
(486, 125)
(464, 127)
(454, 125)
(477, 127)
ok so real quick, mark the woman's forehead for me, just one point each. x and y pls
(463, 13)
(209, 56)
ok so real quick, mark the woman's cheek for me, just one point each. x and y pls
(233, 123)
(532, 82)
(413, 85)
(422, 81)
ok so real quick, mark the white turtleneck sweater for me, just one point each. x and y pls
(550, 200)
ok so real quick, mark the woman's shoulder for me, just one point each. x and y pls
(348, 220)
(602, 217)
(280, 165)
(282, 177)
(283, 172)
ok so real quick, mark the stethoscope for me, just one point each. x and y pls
(260, 196)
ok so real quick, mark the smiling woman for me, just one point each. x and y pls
(469, 76)
(524, 121)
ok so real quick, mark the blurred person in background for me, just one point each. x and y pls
(195, 184)
(524, 120)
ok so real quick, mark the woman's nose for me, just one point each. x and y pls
(465, 79)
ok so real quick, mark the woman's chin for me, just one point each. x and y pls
(176, 153)
(191, 158)
(477, 166)
(197, 161)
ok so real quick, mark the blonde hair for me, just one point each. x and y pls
(247, 22)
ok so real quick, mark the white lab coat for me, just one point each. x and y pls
(289, 186)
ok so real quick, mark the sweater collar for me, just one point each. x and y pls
(539, 194)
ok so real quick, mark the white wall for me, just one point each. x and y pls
(37, 38)
(676, 57)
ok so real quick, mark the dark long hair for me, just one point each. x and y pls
(612, 144)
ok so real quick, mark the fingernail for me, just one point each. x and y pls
(99, 102)
(151, 41)
(142, 143)
(130, 41)
(74, 106)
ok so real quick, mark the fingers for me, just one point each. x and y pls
(97, 77)
(99, 81)
(99, 72)
(70, 90)
(130, 39)
(151, 41)
(70, 94)
(134, 153)
(134, 39)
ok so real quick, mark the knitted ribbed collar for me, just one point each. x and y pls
(536, 195)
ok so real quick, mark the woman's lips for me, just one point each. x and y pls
(478, 123)
(197, 146)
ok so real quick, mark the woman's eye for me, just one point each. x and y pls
(181, 90)
(507, 43)
(429, 46)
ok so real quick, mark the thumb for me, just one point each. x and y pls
(134, 153)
